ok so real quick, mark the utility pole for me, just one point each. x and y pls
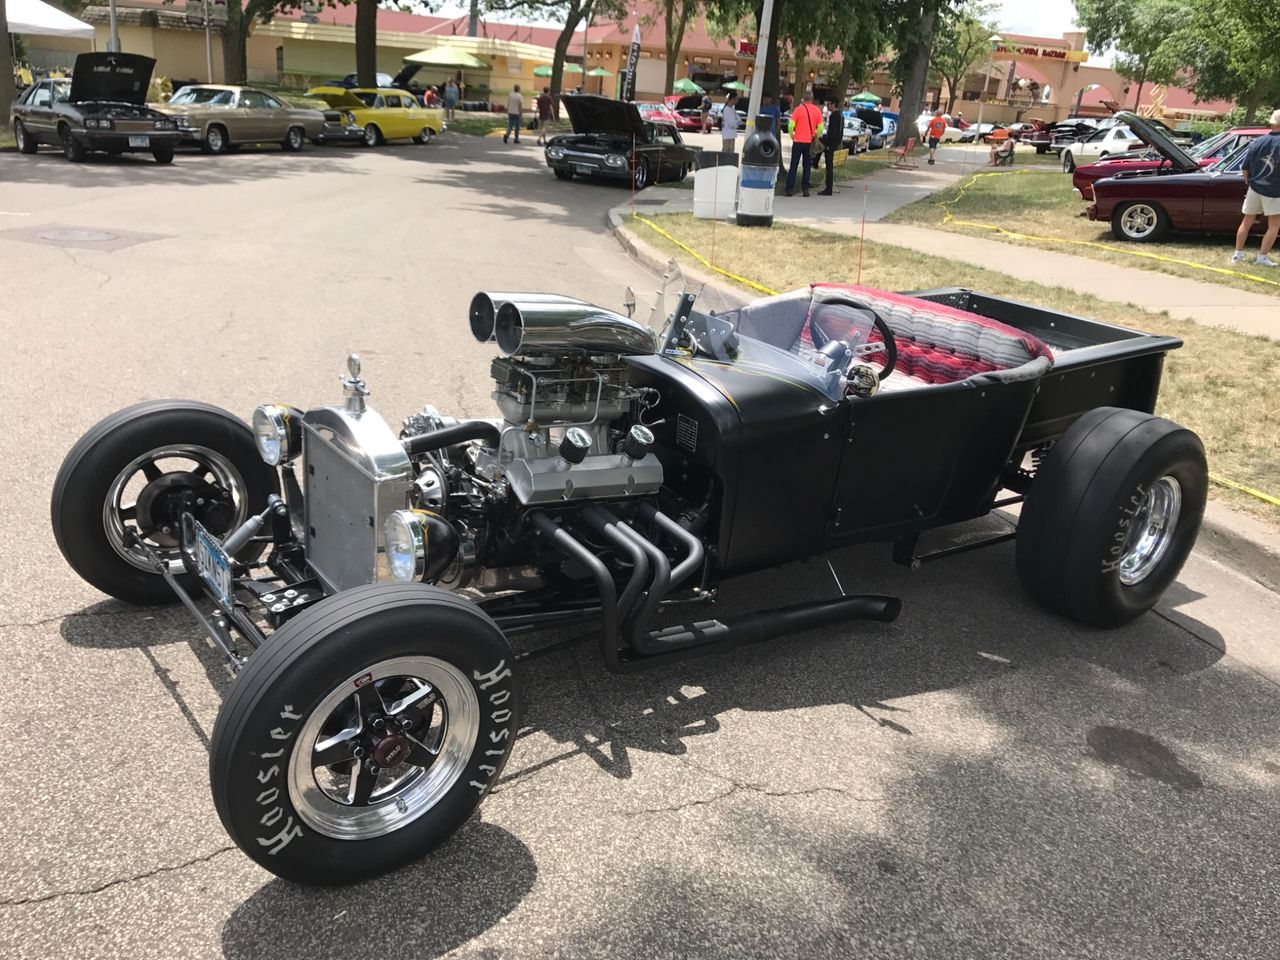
(208, 45)
(762, 53)
(115, 34)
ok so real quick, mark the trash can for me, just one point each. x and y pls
(759, 175)
(715, 185)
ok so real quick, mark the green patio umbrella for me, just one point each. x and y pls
(736, 85)
(545, 69)
(599, 72)
(685, 85)
(866, 96)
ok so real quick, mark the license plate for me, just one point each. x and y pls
(584, 168)
(213, 564)
(139, 141)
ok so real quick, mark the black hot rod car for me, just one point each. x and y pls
(364, 582)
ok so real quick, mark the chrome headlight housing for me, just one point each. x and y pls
(616, 160)
(277, 430)
(555, 153)
(406, 546)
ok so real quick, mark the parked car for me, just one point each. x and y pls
(1056, 135)
(687, 110)
(951, 135)
(383, 115)
(1099, 145)
(658, 112)
(1205, 154)
(1189, 199)
(982, 132)
(1025, 128)
(363, 580)
(717, 116)
(219, 118)
(103, 107)
(610, 139)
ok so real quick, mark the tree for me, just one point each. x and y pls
(676, 15)
(963, 42)
(6, 65)
(574, 13)
(915, 22)
(242, 16)
(1228, 51)
(1137, 30)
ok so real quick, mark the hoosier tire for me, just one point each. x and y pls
(1112, 515)
(82, 524)
(318, 703)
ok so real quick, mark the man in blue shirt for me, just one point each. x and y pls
(1262, 176)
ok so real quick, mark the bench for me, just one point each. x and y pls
(904, 159)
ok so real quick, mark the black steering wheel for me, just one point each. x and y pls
(841, 316)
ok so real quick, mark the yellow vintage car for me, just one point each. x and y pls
(384, 114)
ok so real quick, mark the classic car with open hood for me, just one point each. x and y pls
(383, 114)
(1145, 205)
(611, 139)
(378, 587)
(219, 117)
(1204, 154)
(102, 107)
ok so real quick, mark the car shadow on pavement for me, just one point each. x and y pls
(99, 170)
(420, 911)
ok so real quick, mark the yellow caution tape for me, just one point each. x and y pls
(703, 260)
(948, 217)
(1264, 497)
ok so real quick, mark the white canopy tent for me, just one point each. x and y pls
(36, 17)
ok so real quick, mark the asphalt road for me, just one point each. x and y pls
(980, 779)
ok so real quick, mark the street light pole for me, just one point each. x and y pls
(115, 34)
(208, 45)
(762, 54)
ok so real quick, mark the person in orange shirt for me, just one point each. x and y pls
(805, 127)
(937, 127)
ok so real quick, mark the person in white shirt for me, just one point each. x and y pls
(515, 107)
(729, 123)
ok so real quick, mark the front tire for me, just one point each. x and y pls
(563, 174)
(293, 140)
(424, 137)
(72, 149)
(1068, 163)
(163, 155)
(372, 135)
(26, 142)
(138, 470)
(365, 734)
(216, 140)
(1139, 222)
(1112, 516)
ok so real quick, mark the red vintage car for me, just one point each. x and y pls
(658, 112)
(1146, 205)
(1204, 154)
(686, 109)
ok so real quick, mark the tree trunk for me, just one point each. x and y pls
(572, 19)
(951, 94)
(6, 66)
(234, 58)
(797, 88)
(772, 82)
(676, 22)
(1250, 103)
(846, 77)
(367, 43)
(913, 87)
(1137, 97)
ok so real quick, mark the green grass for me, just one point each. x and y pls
(1041, 204)
(6, 139)
(476, 124)
(1220, 384)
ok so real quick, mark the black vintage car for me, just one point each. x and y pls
(611, 139)
(102, 107)
(366, 582)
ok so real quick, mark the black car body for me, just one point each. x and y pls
(611, 139)
(102, 107)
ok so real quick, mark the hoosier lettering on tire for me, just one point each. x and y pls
(365, 734)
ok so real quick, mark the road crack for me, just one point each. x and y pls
(72, 616)
(119, 881)
(752, 788)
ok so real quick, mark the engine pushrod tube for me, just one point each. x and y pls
(421, 443)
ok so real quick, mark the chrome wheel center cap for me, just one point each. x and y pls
(391, 751)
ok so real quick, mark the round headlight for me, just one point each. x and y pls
(276, 432)
(406, 546)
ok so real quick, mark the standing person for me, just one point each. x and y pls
(515, 107)
(936, 128)
(450, 98)
(1261, 173)
(729, 124)
(544, 113)
(805, 127)
(705, 107)
(833, 140)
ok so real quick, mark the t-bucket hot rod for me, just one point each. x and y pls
(364, 582)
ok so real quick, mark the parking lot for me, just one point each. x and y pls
(978, 779)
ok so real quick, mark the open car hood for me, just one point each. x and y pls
(1154, 136)
(591, 114)
(872, 118)
(407, 73)
(118, 77)
(337, 97)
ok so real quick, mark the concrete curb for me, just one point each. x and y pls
(1244, 544)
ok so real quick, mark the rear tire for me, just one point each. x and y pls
(216, 140)
(334, 681)
(640, 177)
(83, 488)
(1090, 543)
(26, 142)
